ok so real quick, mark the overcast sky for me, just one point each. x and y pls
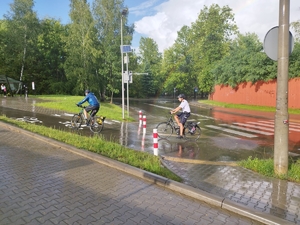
(161, 19)
(255, 16)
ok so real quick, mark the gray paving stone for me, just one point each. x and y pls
(50, 186)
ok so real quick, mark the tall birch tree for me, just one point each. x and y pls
(81, 47)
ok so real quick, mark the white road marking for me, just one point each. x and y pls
(254, 126)
(294, 125)
(267, 125)
(68, 114)
(232, 131)
(247, 129)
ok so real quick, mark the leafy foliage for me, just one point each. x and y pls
(108, 24)
(245, 62)
(81, 47)
(20, 39)
(68, 58)
(149, 62)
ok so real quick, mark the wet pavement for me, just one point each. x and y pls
(47, 182)
(271, 197)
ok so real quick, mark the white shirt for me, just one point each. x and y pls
(184, 105)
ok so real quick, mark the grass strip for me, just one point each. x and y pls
(99, 145)
(266, 168)
(68, 103)
(247, 107)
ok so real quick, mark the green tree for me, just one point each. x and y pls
(296, 26)
(294, 61)
(211, 35)
(80, 66)
(178, 64)
(51, 57)
(245, 62)
(3, 36)
(149, 62)
(20, 43)
(107, 14)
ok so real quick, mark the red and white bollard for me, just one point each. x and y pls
(144, 124)
(155, 142)
(141, 117)
(143, 142)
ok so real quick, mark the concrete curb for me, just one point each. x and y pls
(161, 181)
(197, 161)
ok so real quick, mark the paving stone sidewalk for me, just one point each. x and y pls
(42, 183)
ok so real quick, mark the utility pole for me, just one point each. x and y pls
(281, 116)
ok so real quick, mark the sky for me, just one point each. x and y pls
(162, 19)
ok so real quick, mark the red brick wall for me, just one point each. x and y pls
(260, 93)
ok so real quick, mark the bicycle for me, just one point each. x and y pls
(95, 123)
(190, 129)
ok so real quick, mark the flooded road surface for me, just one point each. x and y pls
(227, 135)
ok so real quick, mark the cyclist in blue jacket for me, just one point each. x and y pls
(93, 106)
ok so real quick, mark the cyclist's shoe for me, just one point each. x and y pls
(179, 137)
(95, 125)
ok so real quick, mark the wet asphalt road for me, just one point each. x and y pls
(226, 146)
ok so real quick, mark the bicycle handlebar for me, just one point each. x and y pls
(80, 106)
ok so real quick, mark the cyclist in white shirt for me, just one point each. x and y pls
(181, 117)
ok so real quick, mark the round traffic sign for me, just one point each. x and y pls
(271, 43)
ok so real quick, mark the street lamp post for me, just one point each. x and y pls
(124, 13)
(127, 62)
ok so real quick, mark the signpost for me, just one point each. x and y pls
(278, 45)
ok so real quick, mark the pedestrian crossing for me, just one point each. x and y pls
(232, 131)
(252, 129)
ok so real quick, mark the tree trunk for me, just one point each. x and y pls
(23, 64)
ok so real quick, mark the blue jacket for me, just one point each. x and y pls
(91, 99)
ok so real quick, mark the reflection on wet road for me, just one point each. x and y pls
(226, 135)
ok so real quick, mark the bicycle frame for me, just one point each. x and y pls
(93, 122)
(172, 122)
(166, 129)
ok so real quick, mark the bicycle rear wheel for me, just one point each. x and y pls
(195, 135)
(164, 130)
(76, 121)
(97, 124)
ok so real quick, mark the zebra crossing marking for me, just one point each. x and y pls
(267, 125)
(247, 129)
(232, 131)
(294, 125)
(254, 126)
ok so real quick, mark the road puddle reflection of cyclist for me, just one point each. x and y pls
(186, 150)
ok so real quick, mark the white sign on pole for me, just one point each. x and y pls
(126, 59)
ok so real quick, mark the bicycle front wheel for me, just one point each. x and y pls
(164, 130)
(76, 121)
(96, 127)
(195, 135)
